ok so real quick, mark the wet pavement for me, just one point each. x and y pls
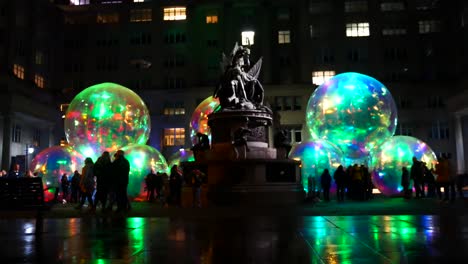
(238, 235)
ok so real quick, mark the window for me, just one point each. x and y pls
(140, 38)
(140, 1)
(320, 30)
(79, 2)
(174, 82)
(174, 37)
(39, 81)
(357, 29)
(111, 2)
(212, 19)
(18, 71)
(435, 101)
(319, 77)
(141, 15)
(392, 6)
(393, 31)
(284, 36)
(429, 26)
(36, 137)
(283, 14)
(287, 103)
(439, 130)
(316, 7)
(404, 129)
(104, 18)
(355, 6)
(297, 103)
(107, 63)
(294, 133)
(403, 102)
(175, 13)
(357, 54)
(324, 55)
(174, 136)
(16, 133)
(39, 58)
(247, 38)
(395, 54)
(176, 108)
(426, 4)
(174, 61)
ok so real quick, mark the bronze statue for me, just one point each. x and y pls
(239, 87)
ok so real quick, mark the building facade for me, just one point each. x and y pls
(169, 53)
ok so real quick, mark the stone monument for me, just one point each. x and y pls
(241, 166)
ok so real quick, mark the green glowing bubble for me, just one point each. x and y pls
(142, 159)
(353, 111)
(106, 117)
(387, 161)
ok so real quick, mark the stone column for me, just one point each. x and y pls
(6, 142)
(459, 145)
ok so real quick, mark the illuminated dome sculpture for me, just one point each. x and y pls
(53, 162)
(106, 117)
(353, 111)
(387, 161)
(199, 120)
(142, 159)
(316, 156)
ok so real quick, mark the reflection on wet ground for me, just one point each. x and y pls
(257, 239)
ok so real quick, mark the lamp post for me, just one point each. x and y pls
(28, 150)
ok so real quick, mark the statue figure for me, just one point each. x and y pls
(239, 87)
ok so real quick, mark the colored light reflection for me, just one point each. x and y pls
(387, 161)
(199, 120)
(142, 159)
(182, 155)
(52, 163)
(353, 111)
(106, 117)
(316, 156)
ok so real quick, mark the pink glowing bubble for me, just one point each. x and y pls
(199, 120)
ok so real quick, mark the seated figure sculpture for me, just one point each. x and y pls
(239, 87)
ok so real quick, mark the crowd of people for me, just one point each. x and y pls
(355, 182)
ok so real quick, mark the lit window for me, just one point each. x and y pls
(357, 30)
(18, 71)
(175, 13)
(107, 18)
(39, 58)
(248, 37)
(393, 31)
(392, 6)
(79, 2)
(355, 6)
(319, 77)
(174, 136)
(112, 2)
(283, 14)
(284, 37)
(212, 19)
(429, 26)
(138, 1)
(39, 81)
(426, 4)
(141, 15)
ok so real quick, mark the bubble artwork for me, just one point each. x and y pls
(316, 156)
(142, 159)
(199, 120)
(387, 161)
(182, 155)
(52, 163)
(106, 117)
(353, 111)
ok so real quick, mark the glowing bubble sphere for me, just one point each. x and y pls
(316, 156)
(53, 162)
(387, 161)
(142, 159)
(182, 155)
(353, 111)
(106, 117)
(199, 120)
